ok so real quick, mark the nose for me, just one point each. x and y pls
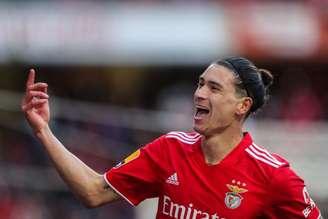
(201, 93)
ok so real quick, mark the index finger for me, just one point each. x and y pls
(31, 78)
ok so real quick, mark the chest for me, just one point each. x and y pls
(193, 191)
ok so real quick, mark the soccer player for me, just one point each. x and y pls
(215, 172)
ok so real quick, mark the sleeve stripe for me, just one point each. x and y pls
(261, 159)
(187, 135)
(265, 155)
(182, 138)
(130, 202)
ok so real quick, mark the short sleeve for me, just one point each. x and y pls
(289, 197)
(138, 176)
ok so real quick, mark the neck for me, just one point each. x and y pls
(217, 146)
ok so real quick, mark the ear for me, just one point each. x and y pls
(244, 106)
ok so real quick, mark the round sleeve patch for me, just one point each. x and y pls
(131, 157)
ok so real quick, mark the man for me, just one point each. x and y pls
(215, 172)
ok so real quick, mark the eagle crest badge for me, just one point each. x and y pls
(233, 198)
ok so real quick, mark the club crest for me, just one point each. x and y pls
(233, 198)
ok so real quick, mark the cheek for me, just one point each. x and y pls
(224, 107)
(232, 102)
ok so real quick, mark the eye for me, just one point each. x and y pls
(200, 84)
(215, 89)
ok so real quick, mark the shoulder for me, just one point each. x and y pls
(177, 137)
(173, 140)
(264, 158)
(182, 137)
(276, 168)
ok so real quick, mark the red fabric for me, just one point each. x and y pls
(248, 183)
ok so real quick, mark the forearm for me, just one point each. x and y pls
(88, 185)
(81, 179)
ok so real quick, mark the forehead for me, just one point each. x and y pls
(218, 74)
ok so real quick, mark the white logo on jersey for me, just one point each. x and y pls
(308, 200)
(173, 179)
(175, 210)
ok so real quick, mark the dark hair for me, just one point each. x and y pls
(250, 81)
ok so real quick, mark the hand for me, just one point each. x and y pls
(35, 103)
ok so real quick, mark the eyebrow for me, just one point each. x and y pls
(213, 83)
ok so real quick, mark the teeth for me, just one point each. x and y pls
(201, 111)
(201, 108)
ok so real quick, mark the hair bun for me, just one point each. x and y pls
(267, 77)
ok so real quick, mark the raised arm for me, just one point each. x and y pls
(88, 185)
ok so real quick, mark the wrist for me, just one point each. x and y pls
(43, 132)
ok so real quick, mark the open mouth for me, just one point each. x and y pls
(201, 112)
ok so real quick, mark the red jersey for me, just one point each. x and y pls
(249, 182)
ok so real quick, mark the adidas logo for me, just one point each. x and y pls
(173, 179)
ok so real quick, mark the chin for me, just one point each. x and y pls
(199, 129)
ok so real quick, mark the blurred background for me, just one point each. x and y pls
(121, 73)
